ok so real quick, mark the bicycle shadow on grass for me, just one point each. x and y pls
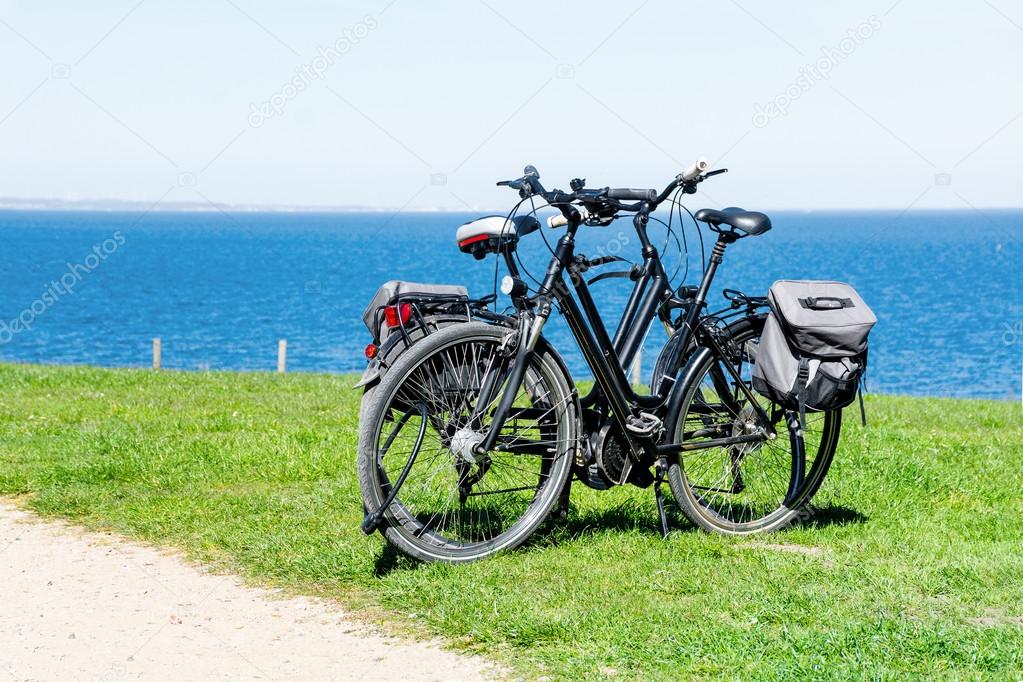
(551, 533)
(623, 518)
(830, 515)
(630, 518)
(391, 560)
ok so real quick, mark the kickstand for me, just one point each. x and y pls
(562, 510)
(662, 469)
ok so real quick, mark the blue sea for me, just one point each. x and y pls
(220, 290)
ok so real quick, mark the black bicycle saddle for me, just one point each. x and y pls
(749, 222)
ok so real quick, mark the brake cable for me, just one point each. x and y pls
(664, 249)
(696, 226)
(683, 248)
(497, 255)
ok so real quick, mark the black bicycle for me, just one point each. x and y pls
(476, 432)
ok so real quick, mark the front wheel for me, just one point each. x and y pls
(452, 503)
(753, 487)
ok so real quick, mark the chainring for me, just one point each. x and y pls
(612, 453)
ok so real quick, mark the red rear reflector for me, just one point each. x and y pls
(473, 240)
(371, 351)
(399, 314)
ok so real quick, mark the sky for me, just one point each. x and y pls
(898, 104)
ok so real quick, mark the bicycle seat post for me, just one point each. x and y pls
(717, 256)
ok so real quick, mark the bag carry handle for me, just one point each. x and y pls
(826, 303)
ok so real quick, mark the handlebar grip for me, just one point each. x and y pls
(632, 194)
(698, 167)
(560, 220)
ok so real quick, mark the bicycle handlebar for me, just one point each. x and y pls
(529, 185)
(625, 194)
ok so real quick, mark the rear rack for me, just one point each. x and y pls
(423, 306)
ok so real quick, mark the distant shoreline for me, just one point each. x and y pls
(118, 206)
(124, 206)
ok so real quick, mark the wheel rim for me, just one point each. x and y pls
(454, 499)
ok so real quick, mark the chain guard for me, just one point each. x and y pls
(611, 454)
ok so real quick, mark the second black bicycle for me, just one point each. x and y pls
(476, 432)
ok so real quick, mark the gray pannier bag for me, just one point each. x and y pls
(813, 350)
(423, 299)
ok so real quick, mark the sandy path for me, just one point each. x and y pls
(88, 606)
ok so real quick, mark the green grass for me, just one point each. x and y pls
(917, 568)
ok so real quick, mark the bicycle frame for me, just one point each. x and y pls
(607, 356)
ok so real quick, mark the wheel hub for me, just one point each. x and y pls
(463, 444)
(746, 425)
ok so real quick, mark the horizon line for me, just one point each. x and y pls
(28, 204)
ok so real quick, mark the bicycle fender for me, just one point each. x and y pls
(667, 363)
(370, 376)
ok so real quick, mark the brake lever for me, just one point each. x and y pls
(690, 186)
(514, 184)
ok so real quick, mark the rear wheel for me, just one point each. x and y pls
(454, 504)
(753, 487)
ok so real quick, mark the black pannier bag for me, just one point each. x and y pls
(813, 350)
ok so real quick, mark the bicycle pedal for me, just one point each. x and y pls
(643, 424)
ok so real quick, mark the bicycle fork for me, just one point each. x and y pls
(528, 336)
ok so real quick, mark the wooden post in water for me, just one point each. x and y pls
(156, 353)
(282, 355)
(637, 368)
